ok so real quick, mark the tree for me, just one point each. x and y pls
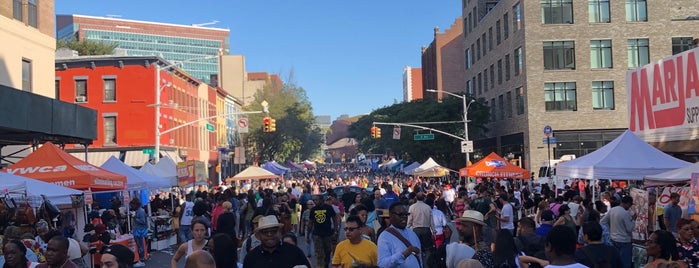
(296, 135)
(443, 149)
(88, 47)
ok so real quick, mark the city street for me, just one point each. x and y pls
(162, 258)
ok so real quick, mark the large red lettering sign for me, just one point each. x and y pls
(663, 97)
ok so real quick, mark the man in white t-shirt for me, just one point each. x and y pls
(506, 214)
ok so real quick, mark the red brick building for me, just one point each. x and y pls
(443, 64)
(122, 90)
(412, 83)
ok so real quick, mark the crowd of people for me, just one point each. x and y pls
(388, 222)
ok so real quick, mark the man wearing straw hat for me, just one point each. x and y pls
(272, 252)
(470, 226)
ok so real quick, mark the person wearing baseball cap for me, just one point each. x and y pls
(470, 226)
(116, 256)
(547, 220)
(272, 252)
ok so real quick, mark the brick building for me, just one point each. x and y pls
(563, 64)
(442, 62)
(412, 83)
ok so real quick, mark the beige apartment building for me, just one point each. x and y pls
(562, 63)
(28, 46)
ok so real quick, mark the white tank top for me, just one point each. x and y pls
(190, 250)
(188, 214)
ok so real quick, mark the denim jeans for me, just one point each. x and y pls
(185, 233)
(625, 253)
(140, 244)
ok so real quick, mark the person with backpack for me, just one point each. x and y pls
(596, 254)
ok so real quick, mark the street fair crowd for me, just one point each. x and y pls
(368, 219)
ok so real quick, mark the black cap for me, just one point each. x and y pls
(122, 253)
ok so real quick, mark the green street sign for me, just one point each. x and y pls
(210, 127)
(148, 151)
(423, 137)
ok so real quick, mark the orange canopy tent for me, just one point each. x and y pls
(51, 164)
(494, 166)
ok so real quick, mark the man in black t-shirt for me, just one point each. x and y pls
(322, 219)
(596, 254)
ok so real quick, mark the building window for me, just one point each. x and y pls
(501, 106)
(500, 72)
(507, 67)
(560, 96)
(468, 58)
(506, 25)
(519, 99)
(473, 59)
(519, 61)
(559, 55)
(601, 54)
(485, 80)
(474, 84)
(470, 22)
(109, 89)
(516, 17)
(603, 95)
(480, 84)
(681, 44)
(557, 11)
(598, 11)
(469, 87)
(636, 10)
(508, 105)
(638, 52)
(80, 90)
(17, 10)
(485, 48)
(110, 130)
(498, 32)
(493, 110)
(57, 88)
(492, 76)
(478, 49)
(32, 14)
(475, 17)
(27, 75)
(490, 39)
(465, 27)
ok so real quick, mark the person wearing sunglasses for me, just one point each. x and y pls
(355, 250)
(116, 256)
(392, 251)
(272, 252)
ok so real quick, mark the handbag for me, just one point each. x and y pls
(404, 240)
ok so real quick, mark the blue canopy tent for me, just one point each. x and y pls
(275, 168)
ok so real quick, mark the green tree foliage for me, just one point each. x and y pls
(88, 47)
(443, 149)
(297, 137)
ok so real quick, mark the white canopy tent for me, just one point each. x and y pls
(430, 169)
(165, 170)
(675, 176)
(33, 189)
(627, 157)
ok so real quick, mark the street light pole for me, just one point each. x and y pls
(466, 106)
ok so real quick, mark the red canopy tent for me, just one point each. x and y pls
(494, 166)
(51, 164)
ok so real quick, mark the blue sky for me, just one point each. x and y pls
(348, 55)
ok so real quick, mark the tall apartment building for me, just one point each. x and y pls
(563, 63)
(442, 62)
(27, 94)
(240, 83)
(189, 45)
(412, 83)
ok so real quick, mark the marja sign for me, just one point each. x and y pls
(663, 98)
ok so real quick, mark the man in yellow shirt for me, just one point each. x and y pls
(354, 249)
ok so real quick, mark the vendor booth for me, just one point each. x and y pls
(675, 176)
(494, 166)
(51, 164)
(139, 179)
(625, 158)
(274, 167)
(430, 169)
(253, 173)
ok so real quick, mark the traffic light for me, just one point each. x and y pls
(272, 125)
(373, 132)
(378, 133)
(265, 124)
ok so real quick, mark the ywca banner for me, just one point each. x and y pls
(663, 98)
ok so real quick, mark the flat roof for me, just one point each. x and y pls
(146, 22)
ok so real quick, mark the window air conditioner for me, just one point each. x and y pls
(80, 99)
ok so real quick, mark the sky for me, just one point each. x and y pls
(349, 56)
